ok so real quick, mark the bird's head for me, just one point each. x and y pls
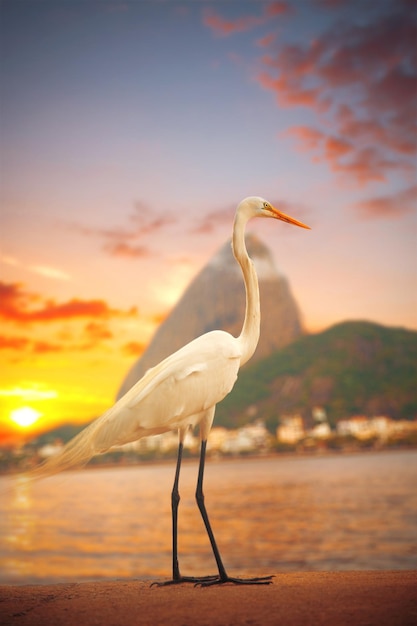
(254, 206)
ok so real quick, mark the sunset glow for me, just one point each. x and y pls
(131, 130)
(25, 416)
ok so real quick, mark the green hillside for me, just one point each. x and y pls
(349, 369)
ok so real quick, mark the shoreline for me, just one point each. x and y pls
(213, 458)
(374, 598)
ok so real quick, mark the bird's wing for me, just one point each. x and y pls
(195, 377)
(182, 386)
(172, 395)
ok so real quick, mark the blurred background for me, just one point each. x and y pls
(130, 130)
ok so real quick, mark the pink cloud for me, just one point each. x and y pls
(266, 41)
(395, 205)
(129, 240)
(374, 131)
(344, 156)
(123, 249)
(278, 8)
(336, 148)
(212, 220)
(331, 4)
(309, 138)
(289, 91)
(223, 27)
(360, 81)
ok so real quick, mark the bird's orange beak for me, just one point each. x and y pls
(279, 215)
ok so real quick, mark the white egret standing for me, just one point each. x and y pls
(181, 392)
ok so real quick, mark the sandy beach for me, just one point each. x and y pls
(313, 598)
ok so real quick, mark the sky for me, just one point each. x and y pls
(131, 129)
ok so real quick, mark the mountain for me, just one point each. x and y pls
(215, 299)
(349, 369)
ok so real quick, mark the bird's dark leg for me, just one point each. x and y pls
(199, 496)
(223, 577)
(175, 500)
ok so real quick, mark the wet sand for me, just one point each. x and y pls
(312, 598)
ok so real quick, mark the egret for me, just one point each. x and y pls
(181, 393)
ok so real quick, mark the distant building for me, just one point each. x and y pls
(357, 426)
(321, 431)
(218, 436)
(382, 427)
(50, 449)
(291, 429)
(249, 438)
(162, 443)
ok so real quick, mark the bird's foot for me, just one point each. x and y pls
(221, 580)
(197, 580)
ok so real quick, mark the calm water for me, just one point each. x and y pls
(269, 515)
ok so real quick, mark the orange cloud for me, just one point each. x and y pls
(94, 332)
(98, 332)
(23, 344)
(13, 343)
(15, 307)
(44, 347)
(134, 348)
(394, 205)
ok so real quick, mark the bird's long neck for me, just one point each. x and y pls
(251, 326)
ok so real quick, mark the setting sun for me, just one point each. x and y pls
(25, 416)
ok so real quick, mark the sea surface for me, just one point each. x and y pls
(347, 512)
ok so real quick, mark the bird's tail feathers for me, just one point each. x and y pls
(76, 453)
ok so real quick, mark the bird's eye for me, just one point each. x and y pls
(267, 205)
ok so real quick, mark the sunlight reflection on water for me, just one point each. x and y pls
(269, 515)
